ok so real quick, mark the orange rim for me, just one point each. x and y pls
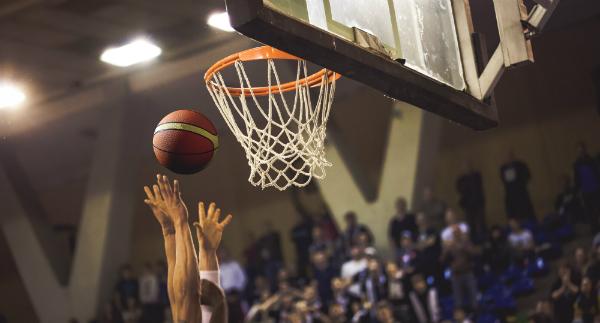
(264, 53)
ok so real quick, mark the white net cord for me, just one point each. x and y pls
(284, 141)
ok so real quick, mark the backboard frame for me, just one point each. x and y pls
(472, 107)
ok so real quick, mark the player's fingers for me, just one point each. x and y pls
(199, 232)
(161, 187)
(176, 190)
(217, 215)
(211, 211)
(201, 212)
(148, 202)
(156, 189)
(227, 220)
(148, 193)
(168, 184)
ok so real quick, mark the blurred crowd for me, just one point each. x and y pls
(444, 264)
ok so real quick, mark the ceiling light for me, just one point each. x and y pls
(221, 21)
(137, 51)
(10, 96)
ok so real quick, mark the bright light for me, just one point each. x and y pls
(139, 50)
(221, 21)
(10, 96)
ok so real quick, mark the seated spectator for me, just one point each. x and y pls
(452, 222)
(340, 294)
(353, 230)
(400, 222)
(323, 274)
(459, 252)
(497, 251)
(586, 304)
(428, 246)
(543, 313)
(521, 242)
(564, 292)
(356, 264)
(567, 203)
(424, 301)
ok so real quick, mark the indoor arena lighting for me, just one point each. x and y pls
(220, 20)
(10, 96)
(137, 51)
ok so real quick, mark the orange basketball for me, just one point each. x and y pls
(185, 141)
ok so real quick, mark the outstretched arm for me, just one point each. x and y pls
(185, 271)
(156, 203)
(209, 232)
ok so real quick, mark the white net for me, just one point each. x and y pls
(283, 138)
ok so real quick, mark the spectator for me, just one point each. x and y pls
(521, 242)
(149, 295)
(232, 276)
(428, 247)
(452, 223)
(433, 208)
(472, 201)
(269, 252)
(459, 252)
(567, 203)
(400, 222)
(360, 313)
(593, 270)
(384, 313)
(397, 291)
(323, 273)
(127, 285)
(497, 252)
(233, 282)
(581, 265)
(337, 313)
(132, 312)
(302, 237)
(587, 182)
(407, 254)
(373, 282)
(356, 264)
(424, 301)
(564, 292)
(516, 176)
(353, 230)
(340, 293)
(319, 244)
(460, 316)
(586, 304)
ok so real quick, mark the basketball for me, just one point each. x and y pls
(185, 141)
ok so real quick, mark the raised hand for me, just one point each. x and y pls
(170, 202)
(208, 228)
(155, 202)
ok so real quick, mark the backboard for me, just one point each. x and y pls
(423, 52)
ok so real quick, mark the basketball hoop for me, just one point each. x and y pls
(284, 141)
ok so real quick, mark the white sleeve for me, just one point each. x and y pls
(212, 276)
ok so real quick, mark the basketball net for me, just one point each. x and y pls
(284, 139)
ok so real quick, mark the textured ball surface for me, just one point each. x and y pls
(185, 141)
